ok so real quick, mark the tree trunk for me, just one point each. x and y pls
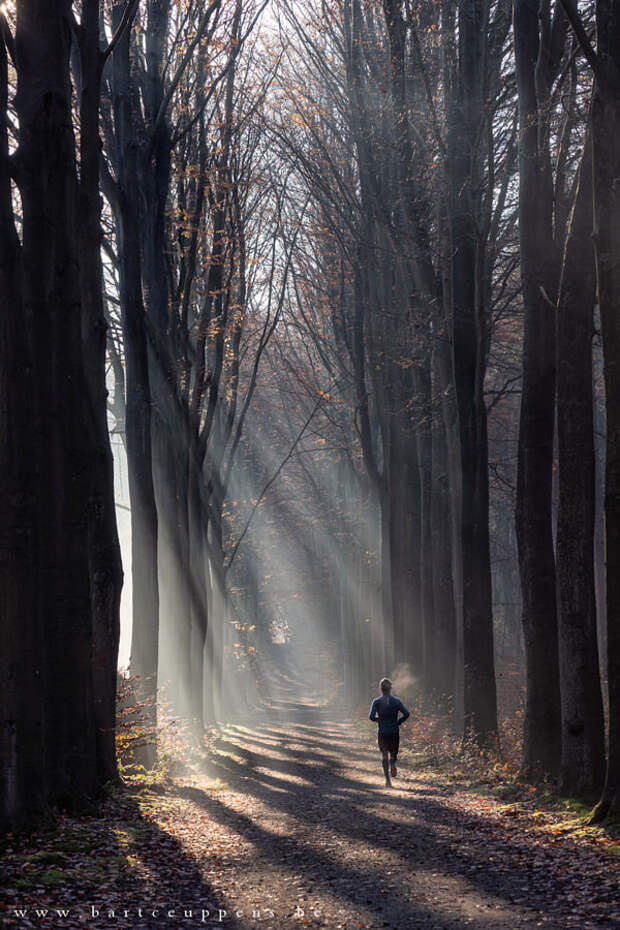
(583, 738)
(48, 185)
(404, 496)
(443, 670)
(606, 172)
(106, 573)
(198, 596)
(539, 275)
(169, 425)
(209, 658)
(424, 439)
(145, 600)
(22, 776)
(470, 349)
(386, 650)
(170, 479)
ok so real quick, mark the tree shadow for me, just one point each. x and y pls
(130, 874)
(427, 834)
(308, 813)
(358, 887)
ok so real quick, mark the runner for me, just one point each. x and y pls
(385, 709)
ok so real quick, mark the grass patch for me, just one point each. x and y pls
(538, 806)
(68, 846)
(21, 884)
(49, 857)
(55, 877)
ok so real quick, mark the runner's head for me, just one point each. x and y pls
(386, 685)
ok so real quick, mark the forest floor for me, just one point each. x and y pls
(290, 826)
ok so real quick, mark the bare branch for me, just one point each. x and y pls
(570, 8)
(271, 481)
(125, 23)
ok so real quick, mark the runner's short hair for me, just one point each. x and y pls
(385, 684)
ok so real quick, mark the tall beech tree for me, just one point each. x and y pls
(605, 122)
(63, 594)
(106, 571)
(22, 779)
(123, 192)
(47, 177)
(583, 737)
(539, 37)
(473, 68)
(417, 294)
(606, 171)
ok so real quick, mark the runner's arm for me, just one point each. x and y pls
(373, 712)
(404, 712)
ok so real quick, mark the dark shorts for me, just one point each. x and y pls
(389, 742)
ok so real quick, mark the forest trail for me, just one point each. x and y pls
(310, 825)
(294, 818)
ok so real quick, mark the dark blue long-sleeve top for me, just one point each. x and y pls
(385, 709)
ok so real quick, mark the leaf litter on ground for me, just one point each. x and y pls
(283, 835)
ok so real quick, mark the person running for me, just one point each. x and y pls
(385, 710)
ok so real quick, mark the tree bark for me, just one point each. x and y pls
(198, 595)
(415, 288)
(469, 336)
(606, 172)
(539, 275)
(145, 594)
(22, 776)
(443, 668)
(52, 304)
(583, 738)
(106, 573)
(403, 492)
(428, 617)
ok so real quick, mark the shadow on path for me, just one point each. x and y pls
(401, 855)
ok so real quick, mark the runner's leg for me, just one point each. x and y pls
(386, 766)
(384, 759)
(393, 755)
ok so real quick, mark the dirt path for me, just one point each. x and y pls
(293, 823)
(308, 826)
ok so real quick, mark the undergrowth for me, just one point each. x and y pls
(430, 739)
(151, 748)
(433, 749)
